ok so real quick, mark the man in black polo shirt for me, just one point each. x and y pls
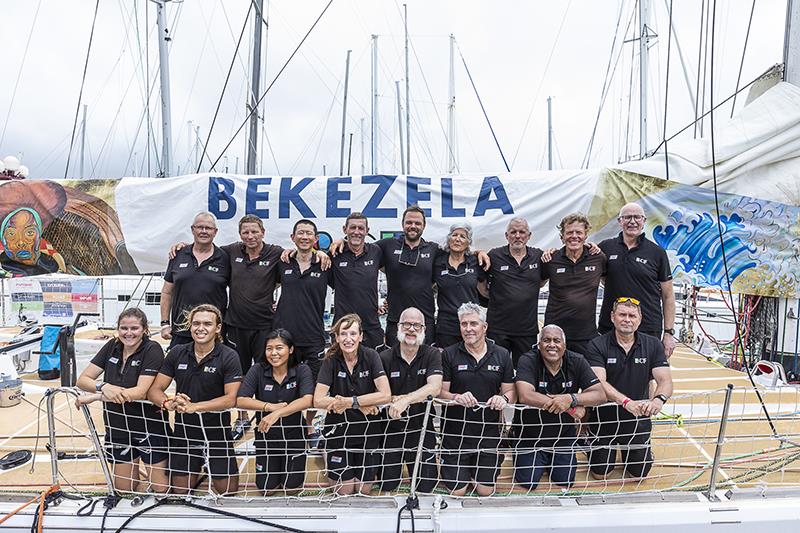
(560, 384)
(574, 275)
(626, 360)
(304, 286)
(415, 376)
(198, 274)
(474, 371)
(408, 263)
(514, 281)
(355, 279)
(639, 268)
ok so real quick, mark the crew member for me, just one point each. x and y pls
(560, 385)
(351, 386)
(415, 375)
(515, 276)
(134, 429)
(282, 390)
(626, 360)
(458, 278)
(639, 268)
(474, 371)
(207, 375)
(574, 275)
(198, 274)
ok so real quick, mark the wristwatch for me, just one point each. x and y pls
(662, 398)
(356, 405)
(164, 323)
(574, 402)
(671, 331)
(99, 386)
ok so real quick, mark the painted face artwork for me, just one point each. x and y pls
(22, 235)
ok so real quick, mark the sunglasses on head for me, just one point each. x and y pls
(627, 299)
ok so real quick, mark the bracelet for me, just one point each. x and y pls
(625, 402)
(571, 410)
(165, 323)
(165, 400)
(505, 398)
(264, 407)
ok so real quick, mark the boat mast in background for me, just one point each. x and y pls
(374, 81)
(644, 41)
(163, 68)
(400, 128)
(549, 133)
(408, 97)
(451, 111)
(791, 44)
(344, 114)
(83, 141)
(255, 90)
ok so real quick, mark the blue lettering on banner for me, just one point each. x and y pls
(492, 184)
(291, 195)
(447, 201)
(373, 209)
(333, 196)
(414, 196)
(253, 196)
(221, 190)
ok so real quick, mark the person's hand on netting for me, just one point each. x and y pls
(180, 402)
(113, 393)
(558, 404)
(497, 402)
(370, 410)
(398, 407)
(267, 422)
(633, 407)
(466, 399)
(651, 407)
(578, 413)
(187, 407)
(272, 407)
(340, 404)
(87, 398)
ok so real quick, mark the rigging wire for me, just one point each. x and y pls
(275, 79)
(19, 72)
(485, 115)
(83, 81)
(699, 57)
(744, 50)
(719, 225)
(666, 91)
(634, 67)
(225, 86)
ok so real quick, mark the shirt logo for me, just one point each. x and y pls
(363, 374)
(543, 384)
(612, 360)
(614, 256)
(213, 268)
(239, 259)
(462, 367)
(113, 360)
(343, 264)
(183, 366)
(341, 374)
(422, 371)
(424, 256)
(534, 265)
(640, 260)
(263, 263)
(183, 265)
(136, 363)
(209, 369)
(288, 271)
(493, 368)
(369, 263)
(567, 384)
(640, 360)
(560, 270)
(315, 274)
(394, 375)
(444, 273)
(397, 252)
(590, 269)
(336, 459)
(504, 267)
(291, 385)
(469, 270)
(267, 387)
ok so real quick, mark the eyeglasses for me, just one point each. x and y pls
(627, 299)
(416, 326)
(204, 228)
(637, 218)
(406, 261)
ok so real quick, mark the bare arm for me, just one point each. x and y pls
(321, 398)
(156, 392)
(431, 389)
(86, 381)
(220, 403)
(252, 404)
(663, 377)
(668, 307)
(166, 309)
(483, 288)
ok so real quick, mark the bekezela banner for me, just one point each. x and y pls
(126, 226)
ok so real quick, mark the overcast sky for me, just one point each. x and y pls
(518, 52)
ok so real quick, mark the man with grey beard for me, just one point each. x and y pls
(414, 370)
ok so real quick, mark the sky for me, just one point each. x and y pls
(518, 53)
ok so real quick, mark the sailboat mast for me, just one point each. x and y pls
(344, 113)
(374, 128)
(166, 107)
(83, 140)
(400, 128)
(549, 133)
(791, 44)
(451, 111)
(255, 88)
(408, 95)
(644, 39)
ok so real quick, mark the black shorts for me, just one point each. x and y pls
(632, 436)
(311, 356)
(250, 344)
(191, 448)
(400, 447)
(350, 449)
(458, 469)
(443, 340)
(279, 466)
(151, 449)
(578, 345)
(517, 344)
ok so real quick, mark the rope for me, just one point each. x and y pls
(80, 93)
(40, 498)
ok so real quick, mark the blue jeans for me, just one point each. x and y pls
(530, 466)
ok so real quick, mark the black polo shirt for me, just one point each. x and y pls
(514, 292)
(637, 272)
(335, 374)
(135, 417)
(455, 286)
(252, 286)
(298, 383)
(572, 292)
(355, 282)
(406, 378)
(474, 428)
(302, 301)
(541, 428)
(410, 283)
(205, 380)
(195, 284)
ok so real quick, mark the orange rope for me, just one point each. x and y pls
(40, 498)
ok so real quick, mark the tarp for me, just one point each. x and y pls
(102, 227)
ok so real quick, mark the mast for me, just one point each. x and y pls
(400, 128)
(451, 111)
(83, 140)
(408, 95)
(163, 68)
(791, 44)
(549, 133)
(363, 168)
(644, 39)
(344, 114)
(255, 88)
(374, 82)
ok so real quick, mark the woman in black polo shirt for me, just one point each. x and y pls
(351, 384)
(207, 375)
(134, 429)
(282, 390)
